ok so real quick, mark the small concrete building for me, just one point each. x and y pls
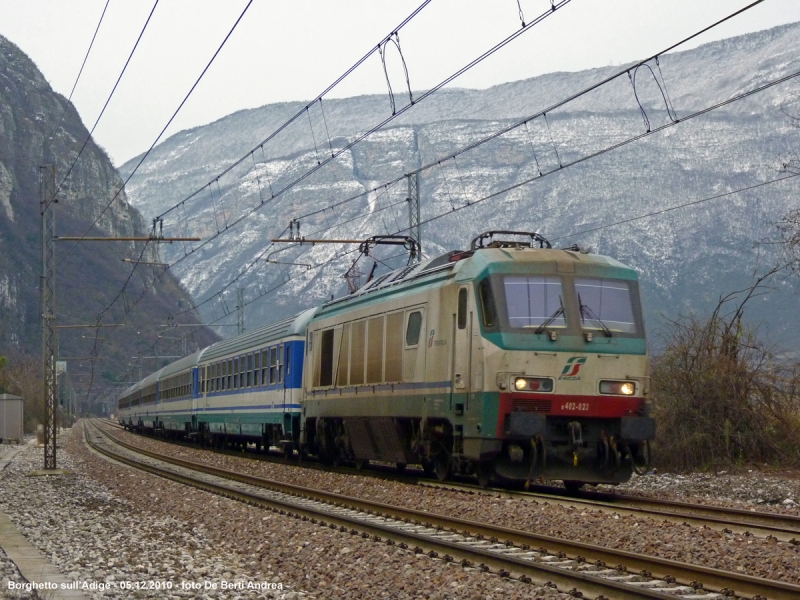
(11, 418)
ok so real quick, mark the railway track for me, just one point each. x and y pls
(784, 528)
(506, 552)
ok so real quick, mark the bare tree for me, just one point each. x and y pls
(721, 396)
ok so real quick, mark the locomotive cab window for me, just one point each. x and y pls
(606, 304)
(488, 308)
(533, 302)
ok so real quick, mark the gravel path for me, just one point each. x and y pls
(110, 524)
(733, 552)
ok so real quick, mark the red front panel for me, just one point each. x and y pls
(605, 407)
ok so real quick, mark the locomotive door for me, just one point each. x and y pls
(462, 352)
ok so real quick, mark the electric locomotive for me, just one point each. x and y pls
(512, 360)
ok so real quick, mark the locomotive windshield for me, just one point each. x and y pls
(539, 303)
(605, 304)
(534, 302)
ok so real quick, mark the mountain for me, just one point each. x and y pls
(687, 258)
(36, 126)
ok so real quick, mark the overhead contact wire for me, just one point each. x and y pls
(169, 122)
(399, 112)
(80, 71)
(108, 100)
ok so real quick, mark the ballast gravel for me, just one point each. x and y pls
(758, 557)
(112, 526)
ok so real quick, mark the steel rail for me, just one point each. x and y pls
(712, 579)
(535, 572)
(785, 528)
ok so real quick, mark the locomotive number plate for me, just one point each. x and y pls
(575, 406)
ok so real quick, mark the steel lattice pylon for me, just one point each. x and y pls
(414, 228)
(49, 341)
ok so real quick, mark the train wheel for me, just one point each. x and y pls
(428, 467)
(485, 474)
(443, 466)
(573, 486)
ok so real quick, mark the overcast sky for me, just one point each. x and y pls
(292, 50)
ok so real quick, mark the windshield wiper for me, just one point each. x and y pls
(551, 318)
(588, 312)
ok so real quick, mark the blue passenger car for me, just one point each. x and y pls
(245, 389)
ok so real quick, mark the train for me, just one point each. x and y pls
(510, 361)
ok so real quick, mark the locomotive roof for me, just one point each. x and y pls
(466, 265)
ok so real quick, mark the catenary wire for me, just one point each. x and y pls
(108, 100)
(80, 72)
(615, 146)
(359, 138)
(476, 61)
(488, 138)
(169, 122)
(564, 166)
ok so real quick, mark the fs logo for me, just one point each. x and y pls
(572, 368)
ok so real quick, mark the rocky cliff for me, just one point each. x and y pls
(38, 126)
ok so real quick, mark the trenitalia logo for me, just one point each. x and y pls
(572, 367)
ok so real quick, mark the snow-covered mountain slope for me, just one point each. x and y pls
(687, 257)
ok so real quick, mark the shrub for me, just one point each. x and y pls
(721, 397)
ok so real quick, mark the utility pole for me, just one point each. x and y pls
(240, 309)
(414, 228)
(49, 340)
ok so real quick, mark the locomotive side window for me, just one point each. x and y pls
(488, 307)
(375, 349)
(288, 356)
(462, 308)
(344, 357)
(605, 304)
(257, 370)
(236, 373)
(394, 347)
(534, 301)
(413, 328)
(249, 370)
(230, 373)
(264, 367)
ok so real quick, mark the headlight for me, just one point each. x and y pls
(533, 384)
(620, 388)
